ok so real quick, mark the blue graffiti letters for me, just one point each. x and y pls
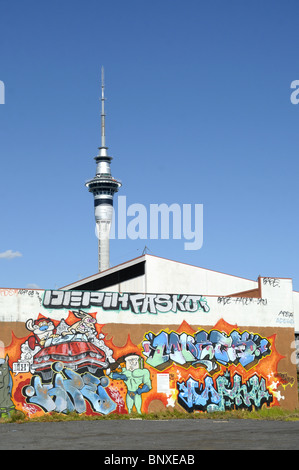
(204, 349)
(227, 393)
(69, 392)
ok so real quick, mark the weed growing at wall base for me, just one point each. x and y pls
(271, 414)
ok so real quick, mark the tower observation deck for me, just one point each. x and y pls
(103, 187)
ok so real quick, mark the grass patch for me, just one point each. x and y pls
(274, 413)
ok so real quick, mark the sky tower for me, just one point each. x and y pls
(103, 186)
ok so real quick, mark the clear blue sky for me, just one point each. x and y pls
(198, 112)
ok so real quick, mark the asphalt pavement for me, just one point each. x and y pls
(112, 437)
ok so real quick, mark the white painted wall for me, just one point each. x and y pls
(277, 297)
(171, 276)
(296, 310)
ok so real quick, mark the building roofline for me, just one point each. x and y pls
(136, 260)
(101, 274)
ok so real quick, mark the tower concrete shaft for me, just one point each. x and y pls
(103, 187)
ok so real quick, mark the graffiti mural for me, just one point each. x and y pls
(6, 382)
(225, 394)
(136, 378)
(77, 345)
(68, 391)
(70, 366)
(102, 353)
(205, 349)
(137, 303)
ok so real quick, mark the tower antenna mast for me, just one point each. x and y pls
(103, 187)
(103, 115)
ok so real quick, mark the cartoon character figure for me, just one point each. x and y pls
(85, 325)
(78, 345)
(136, 378)
(42, 329)
(6, 403)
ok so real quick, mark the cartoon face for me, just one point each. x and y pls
(41, 328)
(132, 362)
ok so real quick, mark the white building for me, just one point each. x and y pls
(152, 274)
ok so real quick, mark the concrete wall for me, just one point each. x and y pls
(110, 352)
